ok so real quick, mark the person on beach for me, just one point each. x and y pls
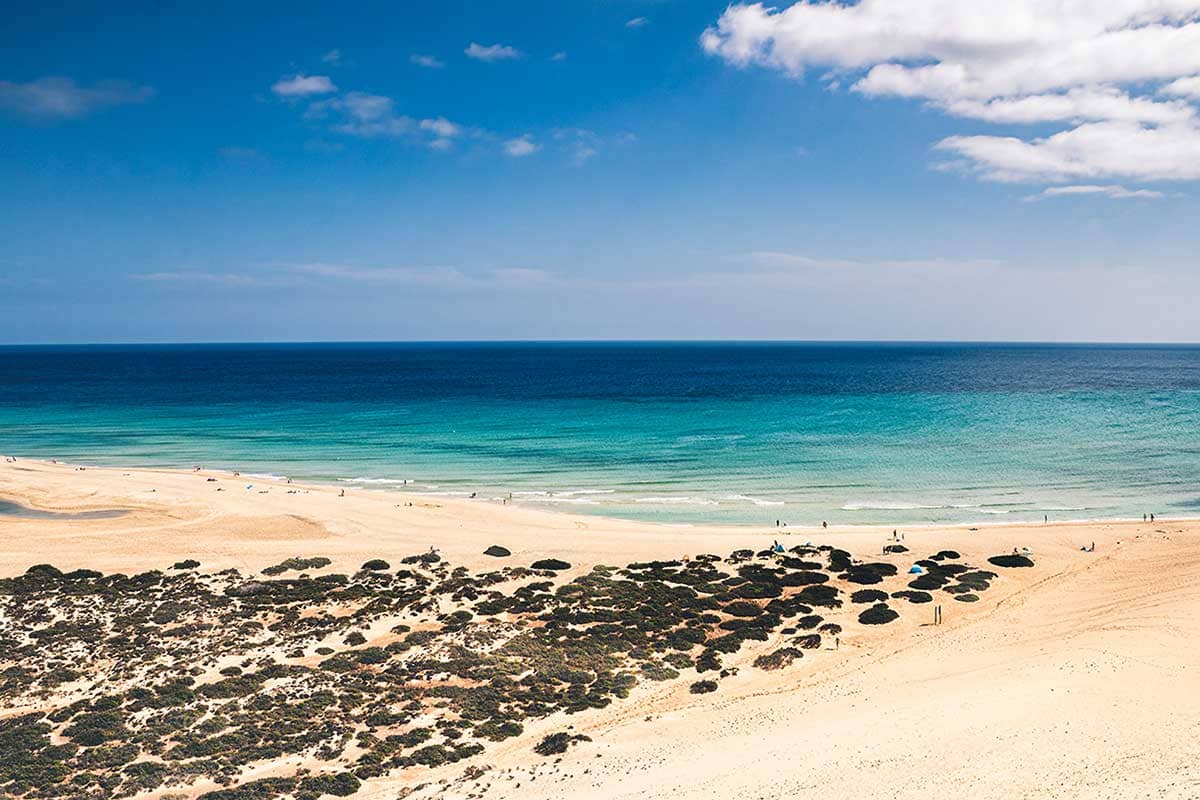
(342, 493)
(824, 524)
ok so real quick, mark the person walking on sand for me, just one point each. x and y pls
(824, 524)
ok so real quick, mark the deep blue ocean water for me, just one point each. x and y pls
(849, 433)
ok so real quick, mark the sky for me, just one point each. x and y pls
(600, 169)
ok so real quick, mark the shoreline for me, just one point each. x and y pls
(172, 513)
(390, 487)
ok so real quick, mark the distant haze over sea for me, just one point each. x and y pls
(679, 432)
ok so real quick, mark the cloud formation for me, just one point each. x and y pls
(1112, 191)
(303, 86)
(429, 62)
(521, 146)
(1102, 67)
(63, 98)
(637, 22)
(493, 52)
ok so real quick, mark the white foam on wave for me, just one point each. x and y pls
(887, 506)
(381, 481)
(578, 501)
(677, 501)
(758, 501)
(264, 476)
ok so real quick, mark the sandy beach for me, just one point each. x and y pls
(1075, 679)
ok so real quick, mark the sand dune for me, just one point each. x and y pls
(1076, 679)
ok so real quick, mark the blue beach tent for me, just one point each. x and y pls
(916, 569)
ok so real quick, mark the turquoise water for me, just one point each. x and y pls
(887, 434)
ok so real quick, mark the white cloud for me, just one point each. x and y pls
(1111, 191)
(561, 55)
(442, 127)
(1093, 103)
(62, 98)
(190, 277)
(1092, 64)
(493, 52)
(1184, 87)
(429, 277)
(637, 22)
(1092, 150)
(429, 62)
(373, 116)
(303, 86)
(362, 114)
(444, 132)
(334, 57)
(521, 146)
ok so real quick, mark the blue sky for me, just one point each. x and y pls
(618, 169)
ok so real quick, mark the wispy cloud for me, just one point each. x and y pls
(780, 260)
(582, 144)
(239, 153)
(442, 127)
(63, 98)
(492, 52)
(334, 57)
(637, 22)
(429, 62)
(200, 277)
(521, 146)
(429, 277)
(304, 86)
(561, 55)
(364, 115)
(1113, 192)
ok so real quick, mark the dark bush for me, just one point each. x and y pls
(1010, 561)
(878, 615)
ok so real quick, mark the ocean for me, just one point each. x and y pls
(675, 432)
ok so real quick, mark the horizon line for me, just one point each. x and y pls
(602, 340)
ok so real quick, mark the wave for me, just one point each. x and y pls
(886, 506)
(579, 501)
(382, 481)
(264, 476)
(535, 494)
(758, 501)
(677, 501)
